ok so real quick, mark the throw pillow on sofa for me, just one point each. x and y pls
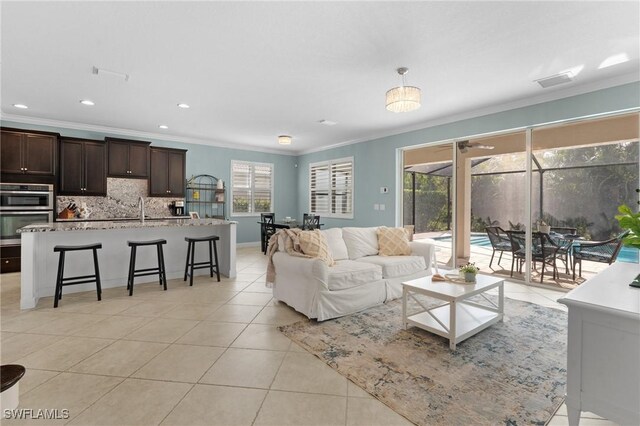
(337, 247)
(393, 242)
(360, 242)
(314, 244)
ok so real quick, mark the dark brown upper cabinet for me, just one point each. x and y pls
(129, 159)
(83, 167)
(167, 172)
(27, 156)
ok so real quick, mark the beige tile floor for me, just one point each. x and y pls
(207, 354)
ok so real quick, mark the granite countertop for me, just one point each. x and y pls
(119, 224)
(114, 219)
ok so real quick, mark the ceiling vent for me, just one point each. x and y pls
(102, 71)
(554, 80)
(327, 122)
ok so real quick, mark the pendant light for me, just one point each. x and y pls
(284, 140)
(403, 98)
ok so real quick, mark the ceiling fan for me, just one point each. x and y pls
(464, 146)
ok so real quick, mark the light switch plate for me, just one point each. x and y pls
(381, 206)
(376, 206)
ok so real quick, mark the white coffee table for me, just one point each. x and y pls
(457, 318)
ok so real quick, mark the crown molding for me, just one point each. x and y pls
(128, 132)
(492, 109)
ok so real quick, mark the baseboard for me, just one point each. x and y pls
(250, 244)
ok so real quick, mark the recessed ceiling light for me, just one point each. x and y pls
(614, 60)
(163, 126)
(87, 102)
(185, 106)
(21, 106)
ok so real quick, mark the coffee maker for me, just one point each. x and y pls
(177, 208)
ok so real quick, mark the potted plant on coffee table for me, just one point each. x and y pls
(470, 270)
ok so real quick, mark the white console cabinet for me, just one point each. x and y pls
(603, 346)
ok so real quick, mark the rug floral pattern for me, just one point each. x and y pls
(512, 373)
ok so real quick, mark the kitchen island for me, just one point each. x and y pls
(39, 262)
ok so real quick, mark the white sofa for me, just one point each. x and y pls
(359, 280)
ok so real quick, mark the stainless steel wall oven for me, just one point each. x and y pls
(22, 204)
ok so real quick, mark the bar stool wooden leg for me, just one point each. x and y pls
(210, 259)
(193, 250)
(58, 291)
(97, 272)
(132, 274)
(186, 262)
(215, 251)
(162, 274)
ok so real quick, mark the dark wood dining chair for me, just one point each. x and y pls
(310, 222)
(266, 229)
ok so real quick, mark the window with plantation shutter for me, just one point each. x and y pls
(251, 188)
(331, 188)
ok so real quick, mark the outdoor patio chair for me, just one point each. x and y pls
(564, 230)
(596, 251)
(499, 242)
(543, 250)
(518, 244)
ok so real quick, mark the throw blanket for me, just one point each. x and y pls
(291, 247)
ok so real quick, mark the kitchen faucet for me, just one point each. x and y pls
(141, 205)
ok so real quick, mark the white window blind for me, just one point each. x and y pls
(331, 188)
(251, 188)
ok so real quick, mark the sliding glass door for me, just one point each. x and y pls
(532, 204)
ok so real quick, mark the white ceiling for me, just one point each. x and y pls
(254, 70)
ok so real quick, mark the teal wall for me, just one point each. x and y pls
(203, 159)
(375, 160)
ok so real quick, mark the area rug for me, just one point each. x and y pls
(512, 373)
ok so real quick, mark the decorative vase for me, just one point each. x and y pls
(469, 277)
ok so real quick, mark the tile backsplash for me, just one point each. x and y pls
(121, 201)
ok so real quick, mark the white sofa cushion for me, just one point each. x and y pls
(396, 266)
(337, 247)
(361, 242)
(346, 274)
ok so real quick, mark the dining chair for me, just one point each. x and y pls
(545, 251)
(266, 229)
(597, 251)
(310, 222)
(518, 248)
(499, 242)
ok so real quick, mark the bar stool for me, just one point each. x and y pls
(10, 375)
(160, 270)
(61, 281)
(191, 249)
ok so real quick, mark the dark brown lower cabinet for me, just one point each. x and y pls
(10, 258)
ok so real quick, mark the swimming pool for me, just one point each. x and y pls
(627, 254)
